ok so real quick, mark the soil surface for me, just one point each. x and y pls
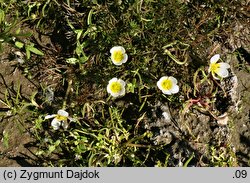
(14, 152)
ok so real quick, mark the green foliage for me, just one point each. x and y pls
(222, 157)
(6, 139)
(30, 48)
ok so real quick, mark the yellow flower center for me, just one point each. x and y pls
(61, 118)
(115, 87)
(167, 84)
(214, 67)
(118, 56)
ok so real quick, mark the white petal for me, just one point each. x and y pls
(122, 92)
(160, 82)
(55, 124)
(108, 88)
(124, 60)
(175, 89)
(50, 116)
(113, 80)
(224, 65)
(122, 49)
(215, 58)
(117, 48)
(65, 125)
(115, 94)
(113, 49)
(173, 80)
(167, 92)
(116, 63)
(62, 112)
(222, 72)
(122, 82)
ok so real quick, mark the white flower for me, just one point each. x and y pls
(118, 55)
(219, 69)
(168, 85)
(116, 87)
(60, 119)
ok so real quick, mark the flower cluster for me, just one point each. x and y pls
(116, 87)
(167, 84)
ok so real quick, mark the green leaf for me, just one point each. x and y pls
(78, 33)
(52, 148)
(2, 16)
(57, 142)
(44, 7)
(19, 44)
(79, 50)
(188, 161)
(89, 20)
(18, 30)
(83, 59)
(34, 50)
(24, 34)
(27, 53)
(6, 139)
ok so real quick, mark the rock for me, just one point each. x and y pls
(222, 120)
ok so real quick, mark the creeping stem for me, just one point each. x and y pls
(67, 94)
